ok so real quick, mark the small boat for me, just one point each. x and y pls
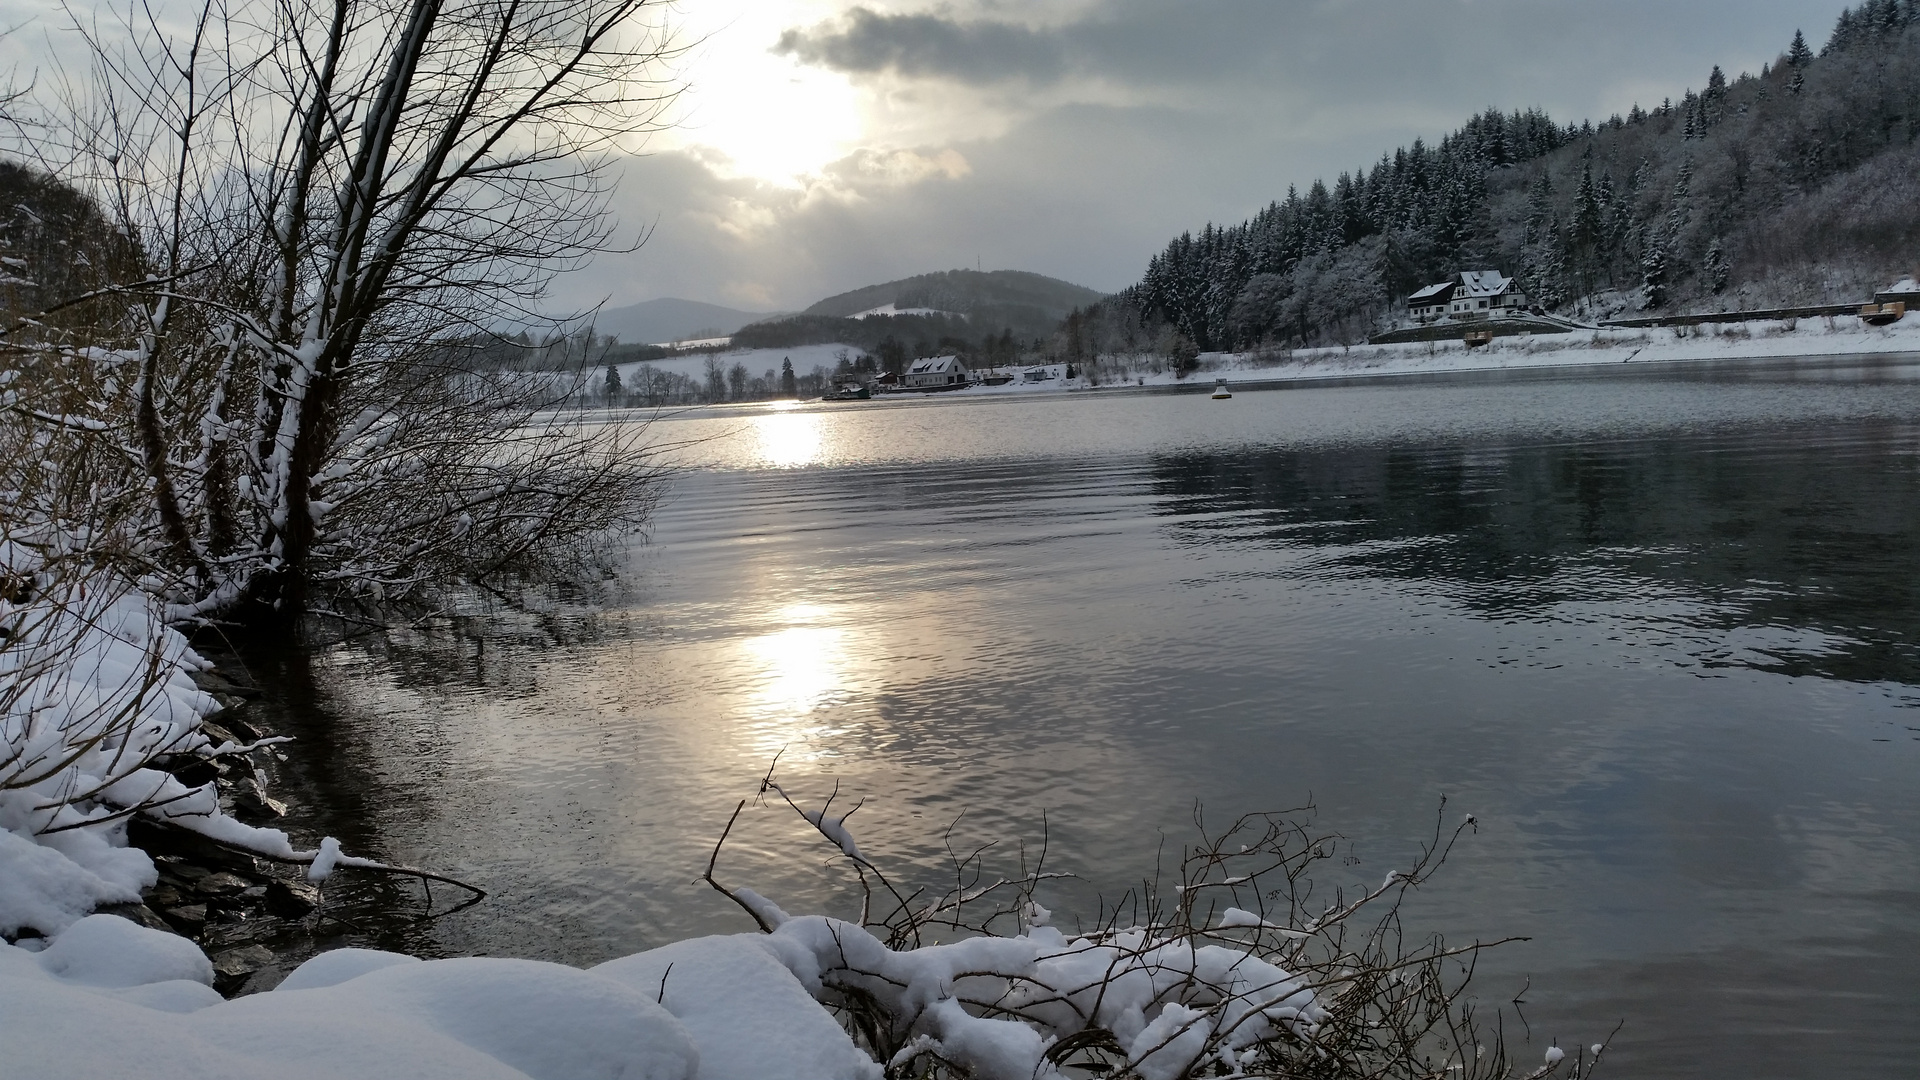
(1220, 391)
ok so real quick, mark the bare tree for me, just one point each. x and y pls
(333, 203)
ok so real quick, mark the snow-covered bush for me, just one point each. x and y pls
(93, 690)
(1237, 969)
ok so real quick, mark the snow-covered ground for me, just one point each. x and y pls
(1804, 338)
(108, 998)
(892, 309)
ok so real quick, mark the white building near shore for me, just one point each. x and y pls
(935, 373)
(1471, 294)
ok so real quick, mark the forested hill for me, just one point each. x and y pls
(997, 296)
(964, 310)
(1798, 184)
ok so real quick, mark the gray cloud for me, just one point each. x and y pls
(1330, 48)
(1234, 101)
(866, 42)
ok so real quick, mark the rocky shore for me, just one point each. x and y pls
(252, 917)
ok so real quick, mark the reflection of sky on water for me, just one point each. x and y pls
(1659, 669)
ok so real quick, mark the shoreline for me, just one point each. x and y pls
(1591, 349)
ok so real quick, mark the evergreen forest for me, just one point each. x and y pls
(1796, 185)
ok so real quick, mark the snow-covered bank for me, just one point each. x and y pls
(1845, 336)
(93, 689)
(102, 722)
(1731, 341)
(108, 998)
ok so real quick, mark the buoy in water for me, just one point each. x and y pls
(1220, 391)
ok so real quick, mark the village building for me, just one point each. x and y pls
(1905, 291)
(1431, 302)
(935, 373)
(1472, 294)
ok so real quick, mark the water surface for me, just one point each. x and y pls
(1658, 629)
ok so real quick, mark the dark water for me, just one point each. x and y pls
(1658, 630)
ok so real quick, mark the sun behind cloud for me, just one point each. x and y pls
(761, 115)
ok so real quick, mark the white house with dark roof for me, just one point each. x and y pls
(1469, 295)
(935, 373)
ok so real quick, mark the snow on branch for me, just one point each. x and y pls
(1166, 985)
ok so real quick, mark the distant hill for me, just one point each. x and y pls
(671, 319)
(954, 310)
(996, 296)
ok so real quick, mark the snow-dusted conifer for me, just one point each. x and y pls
(1714, 268)
(1713, 102)
(1798, 54)
(1653, 270)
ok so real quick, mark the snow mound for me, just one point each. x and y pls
(111, 952)
(336, 967)
(466, 1019)
(749, 1016)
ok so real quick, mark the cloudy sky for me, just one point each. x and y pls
(826, 144)
(820, 145)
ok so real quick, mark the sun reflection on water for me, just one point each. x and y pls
(803, 670)
(788, 439)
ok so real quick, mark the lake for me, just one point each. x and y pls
(1657, 628)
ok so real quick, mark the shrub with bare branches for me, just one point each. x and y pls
(1235, 966)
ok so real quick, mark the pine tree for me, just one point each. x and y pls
(1885, 17)
(1714, 269)
(1637, 182)
(1586, 235)
(1539, 206)
(613, 380)
(1846, 33)
(1554, 289)
(1713, 103)
(1798, 54)
(1653, 271)
(789, 387)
